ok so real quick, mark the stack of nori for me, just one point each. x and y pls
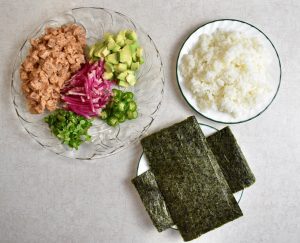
(231, 160)
(190, 180)
(153, 200)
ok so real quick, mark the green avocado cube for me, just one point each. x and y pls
(123, 83)
(116, 48)
(91, 51)
(112, 58)
(103, 52)
(108, 67)
(134, 58)
(130, 78)
(120, 38)
(139, 52)
(125, 55)
(122, 76)
(111, 44)
(108, 36)
(141, 60)
(121, 67)
(129, 42)
(133, 47)
(131, 35)
(107, 75)
(135, 66)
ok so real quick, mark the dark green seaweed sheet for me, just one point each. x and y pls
(190, 180)
(231, 160)
(153, 200)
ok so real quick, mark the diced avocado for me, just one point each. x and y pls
(133, 47)
(103, 52)
(91, 51)
(98, 45)
(123, 83)
(122, 76)
(108, 36)
(108, 67)
(108, 75)
(134, 59)
(116, 48)
(112, 58)
(135, 66)
(139, 52)
(122, 54)
(120, 38)
(131, 35)
(125, 55)
(97, 53)
(111, 44)
(130, 78)
(129, 42)
(141, 60)
(121, 67)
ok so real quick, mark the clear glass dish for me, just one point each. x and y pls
(148, 91)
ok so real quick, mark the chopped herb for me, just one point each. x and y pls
(69, 128)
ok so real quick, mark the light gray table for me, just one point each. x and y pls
(46, 198)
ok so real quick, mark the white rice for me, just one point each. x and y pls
(226, 71)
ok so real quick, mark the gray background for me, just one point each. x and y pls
(46, 198)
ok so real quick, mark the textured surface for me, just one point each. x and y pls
(231, 160)
(47, 198)
(190, 180)
(153, 200)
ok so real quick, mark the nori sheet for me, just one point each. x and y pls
(231, 160)
(153, 200)
(190, 180)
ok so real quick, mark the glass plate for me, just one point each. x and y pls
(273, 72)
(143, 164)
(148, 91)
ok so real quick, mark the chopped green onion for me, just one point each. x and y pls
(132, 106)
(128, 96)
(131, 114)
(112, 121)
(103, 115)
(69, 127)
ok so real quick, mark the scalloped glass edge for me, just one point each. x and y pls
(124, 145)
